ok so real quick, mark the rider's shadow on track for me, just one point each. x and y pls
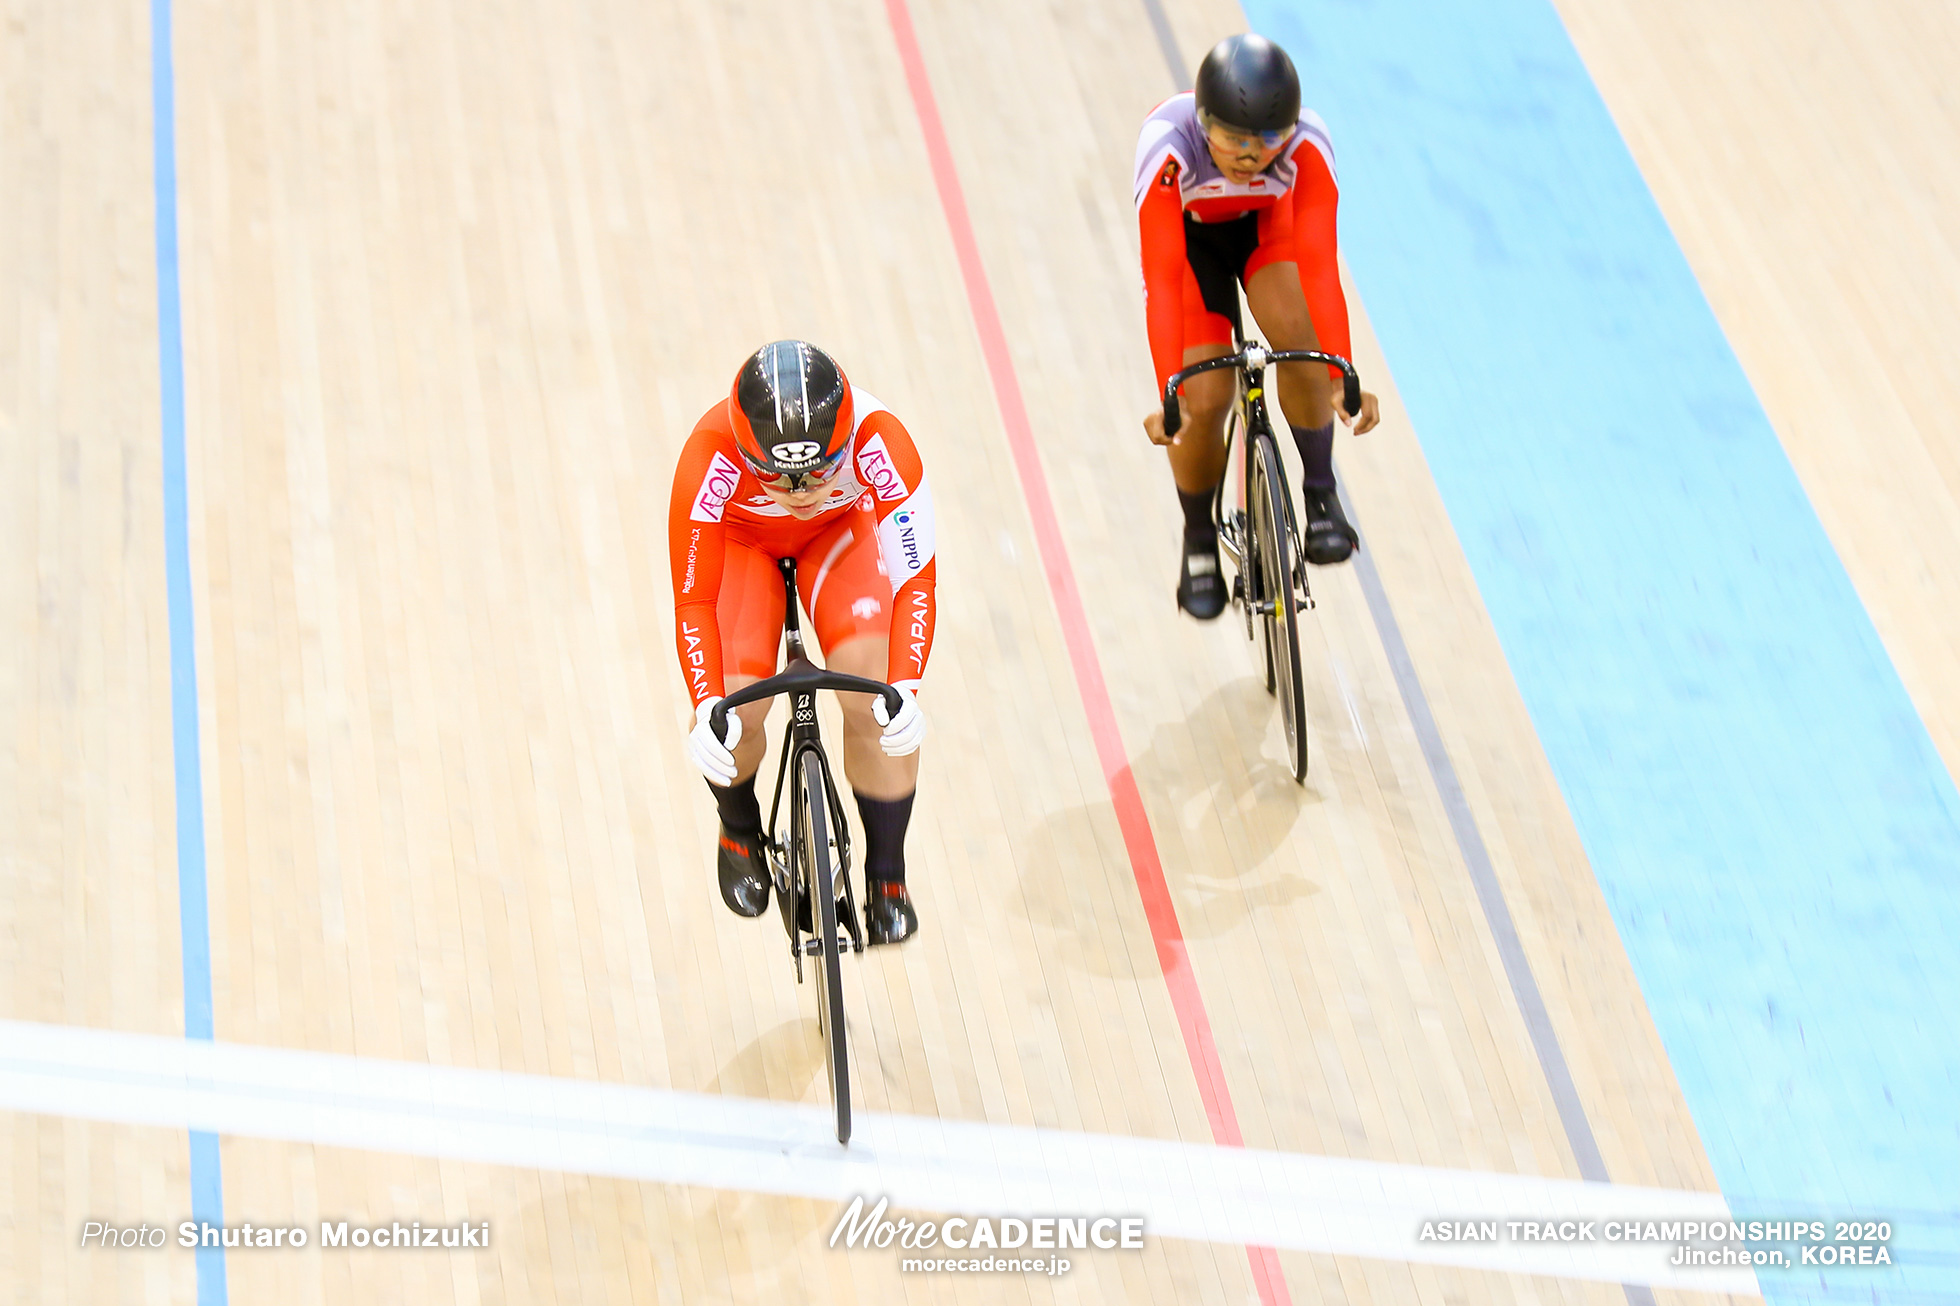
(1254, 799)
(780, 1064)
(748, 1247)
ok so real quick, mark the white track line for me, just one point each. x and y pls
(1183, 1190)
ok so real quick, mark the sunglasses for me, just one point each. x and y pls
(1228, 137)
(797, 482)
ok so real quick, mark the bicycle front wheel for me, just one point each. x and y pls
(820, 876)
(1267, 500)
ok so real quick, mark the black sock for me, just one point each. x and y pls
(740, 811)
(1197, 513)
(1316, 456)
(884, 836)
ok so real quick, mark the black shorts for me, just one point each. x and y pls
(1218, 253)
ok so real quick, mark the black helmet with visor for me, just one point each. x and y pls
(792, 414)
(1247, 83)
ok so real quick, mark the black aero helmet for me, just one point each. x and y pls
(1247, 81)
(791, 410)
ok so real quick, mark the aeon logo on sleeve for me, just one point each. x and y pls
(715, 489)
(875, 464)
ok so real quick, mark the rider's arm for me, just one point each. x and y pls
(1160, 220)
(1316, 249)
(903, 505)
(704, 481)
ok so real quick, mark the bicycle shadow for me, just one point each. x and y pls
(755, 1246)
(1257, 803)
(781, 1064)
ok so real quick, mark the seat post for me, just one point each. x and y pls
(792, 630)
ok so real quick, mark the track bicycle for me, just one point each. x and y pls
(810, 862)
(1260, 534)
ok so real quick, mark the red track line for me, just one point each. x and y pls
(1158, 908)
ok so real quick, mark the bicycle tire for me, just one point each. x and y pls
(813, 807)
(1282, 618)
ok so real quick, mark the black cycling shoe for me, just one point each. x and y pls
(1201, 586)
(744, 882)
(1328, 536)
(888, 916)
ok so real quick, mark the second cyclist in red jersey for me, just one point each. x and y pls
(1235, 185)
(798, 463)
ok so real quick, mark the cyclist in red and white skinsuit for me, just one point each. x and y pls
(797, 463)
(1235, 184)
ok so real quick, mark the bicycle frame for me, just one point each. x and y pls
(800, 679)
(1252, 360)
(1262, 536)
(1258, 428)
(802, 739)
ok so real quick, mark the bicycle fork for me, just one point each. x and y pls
(1232, 530)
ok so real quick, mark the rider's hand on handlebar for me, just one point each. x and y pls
(1369, 418)
(714, 758)
(904, 732)
(1153, 426)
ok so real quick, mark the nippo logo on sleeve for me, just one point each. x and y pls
(875, 465)
(716, 486)
(905, 539)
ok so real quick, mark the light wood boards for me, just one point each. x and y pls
(1805, 157)
(458, 280)
(88, 900)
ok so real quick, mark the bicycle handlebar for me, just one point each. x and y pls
(1350, 382)
(800, 676)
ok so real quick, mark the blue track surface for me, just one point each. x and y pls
(1777, 839)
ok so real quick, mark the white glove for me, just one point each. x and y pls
(903, 732)
(714, 758)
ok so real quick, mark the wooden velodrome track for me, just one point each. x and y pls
(456, 282)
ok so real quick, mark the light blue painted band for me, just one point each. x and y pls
(193, 913)
(1775, 834)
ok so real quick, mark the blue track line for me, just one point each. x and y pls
(193, 912)
(1774, 833)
